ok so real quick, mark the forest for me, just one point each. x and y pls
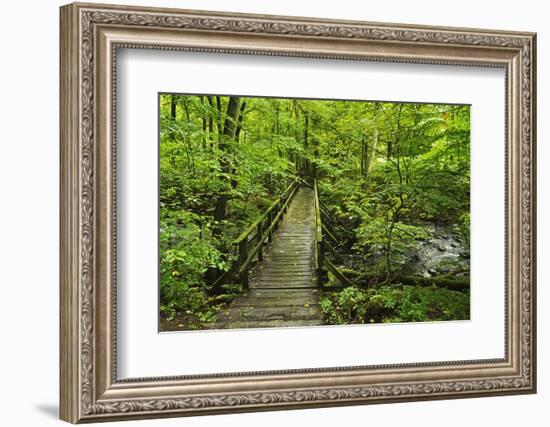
(383, 189)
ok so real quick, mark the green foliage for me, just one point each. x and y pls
(390, 304)
(414, 171)
(347, 306)
(386, 173)
(463, 228)
(187, 250)
(393, 239)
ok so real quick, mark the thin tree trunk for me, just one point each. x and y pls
(396, 134)
(306, 143)
(173, 107)
(204, 126)
(315, 143)
(210, 121)
(363, 156)
(219, 122)
(370, 154)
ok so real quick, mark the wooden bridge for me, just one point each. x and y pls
(281, 262)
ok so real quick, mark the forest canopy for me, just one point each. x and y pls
(393, 180)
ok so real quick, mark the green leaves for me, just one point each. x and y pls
(187, 250)
(393, 304)
(347, 306)
(386, 172)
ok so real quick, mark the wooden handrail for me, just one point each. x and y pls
(318, 235)
(320, 244)
(250, 242)
(329, 234)
(262, 235)
(337, 273)
(252, 227)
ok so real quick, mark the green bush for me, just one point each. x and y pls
(392, 304)
(187, 251)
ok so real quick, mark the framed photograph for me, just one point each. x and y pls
(267, 212)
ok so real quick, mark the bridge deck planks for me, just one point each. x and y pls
(283, 288)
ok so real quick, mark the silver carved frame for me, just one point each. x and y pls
(90, 36)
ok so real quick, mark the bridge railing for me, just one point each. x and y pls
(323, 244)
(250, 242)
(319, 246)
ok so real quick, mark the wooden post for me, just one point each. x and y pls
(260, 233)
(243, 255)
(319, 249)
(320, 262)
(270, 234)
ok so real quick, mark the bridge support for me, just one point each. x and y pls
(320, 261)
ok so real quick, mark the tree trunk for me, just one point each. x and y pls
(219, 121)
(210, 123)
(306, 144)
(315, 143)
(363, 157)
(370, 152)
(240, 121)
(204, 126)
(460, 284)
(369, 280)
(173, 107)
(229, 129)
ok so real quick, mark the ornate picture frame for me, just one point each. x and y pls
(90, 37)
